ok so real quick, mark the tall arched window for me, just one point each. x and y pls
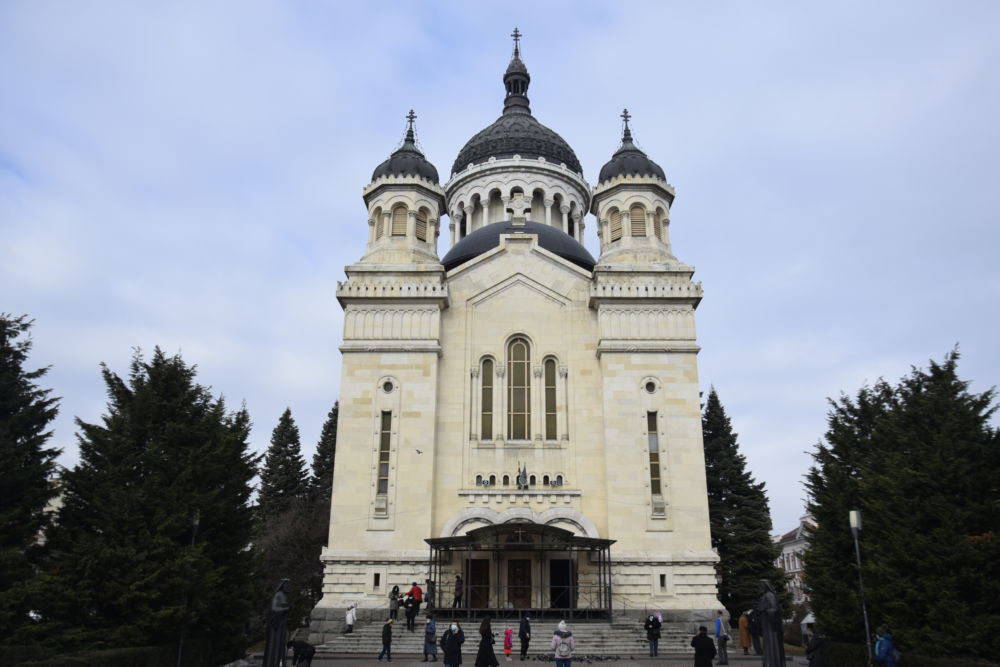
(486, 396)
(378, 223)
(616, 224)
(637, 215)
(658, 224)
(399, 221)
(550, 399)
(518, 389)
(422, 224)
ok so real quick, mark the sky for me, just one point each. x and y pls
(188, 175)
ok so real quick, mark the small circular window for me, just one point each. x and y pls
(650, 387)
(387, 387)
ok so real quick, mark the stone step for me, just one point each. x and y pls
(593, 638)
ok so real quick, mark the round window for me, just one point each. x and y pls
(387, 387)
(650, 387)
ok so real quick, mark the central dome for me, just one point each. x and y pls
(485, 239)
(516, 134)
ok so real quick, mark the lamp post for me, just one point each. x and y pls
(855, 519)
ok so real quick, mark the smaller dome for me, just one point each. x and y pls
(628, 160)
(486, 238)
(407, 160)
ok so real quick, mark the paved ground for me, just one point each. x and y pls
(636, 661)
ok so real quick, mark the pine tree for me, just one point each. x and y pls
(922, 462)
(833, 485)
(26, 468)
(326, 452)
(739, 515)
(283, 478)
(151, 541)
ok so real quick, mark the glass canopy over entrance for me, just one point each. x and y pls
(511, 568)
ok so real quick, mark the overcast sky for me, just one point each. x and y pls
(189, 174)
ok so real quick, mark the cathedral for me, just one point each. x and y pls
(517, 411)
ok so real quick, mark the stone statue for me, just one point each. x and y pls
(769, 613)
(277, 627)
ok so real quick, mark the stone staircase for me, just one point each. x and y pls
(624, 637)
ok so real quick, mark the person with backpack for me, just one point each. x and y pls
(886, 654)
(451, 645)
(563, 644)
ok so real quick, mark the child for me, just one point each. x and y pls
(508, 641)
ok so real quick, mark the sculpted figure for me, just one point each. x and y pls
(277, 627)
(770, 626)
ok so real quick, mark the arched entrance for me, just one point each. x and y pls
(519, 566)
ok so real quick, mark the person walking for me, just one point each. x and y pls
(508, 642)
(524, 634)
(815, 649)
(704, 648)
(721, 638)
(410, 607)
(430, 639)
(394, 603)
(457, 602)
(745, 640)
(885, 649)
(486, 656)
(429, 600)
(652, 627)
(451, 645)
(350, 617)
(563, 644)
(416, 593)
(386, 641)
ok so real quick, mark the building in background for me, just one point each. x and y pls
(517, 411)
(793, 545)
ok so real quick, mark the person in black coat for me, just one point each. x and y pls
(302, 653)
(524, 634)
(451, 644)
(386, 640)
(704, 648)
(652, 628)
(486, 656)
(411, 606)
(815, 650)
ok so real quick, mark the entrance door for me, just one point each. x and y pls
(519, 583)
(560, 583)
(479, 583)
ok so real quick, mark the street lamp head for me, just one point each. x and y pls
(855, 519)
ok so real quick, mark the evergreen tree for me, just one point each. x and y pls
(151, 542)
(284, 475)
(739, 516)
(26, 468)
(326, 452)
(922, 462)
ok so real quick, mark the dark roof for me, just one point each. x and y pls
(407, 160)
(516, 132)
(528, 536)
(483, 240)
(628, 160)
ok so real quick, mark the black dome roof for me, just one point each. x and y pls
(485, 239)
(407, 160)
(516, 134)
(628, 160)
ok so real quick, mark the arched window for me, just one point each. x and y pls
(493, 480)
(399, 221)
(545, 480)
(422, 224)
(637, 215)
(486, 397)
(658, 224)
(531, 481)
(506, 480)
(550, 399)
(379, 226)
(558, 480)
(518, 389)
(616, 224)
(479, 480)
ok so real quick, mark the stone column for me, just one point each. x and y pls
(371, 230)
(386, 223)
(538, 401)
(564, 209)
(477, 397)
(577, 217)
(562, 401)
(486, 210)
(411, 224)
(506, 204)
(548, 211)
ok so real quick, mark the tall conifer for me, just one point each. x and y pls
(283, 477)
(151, 542)
(739, 515)
(326, 452)
(26, 468)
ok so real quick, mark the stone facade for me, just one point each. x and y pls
(456, 377)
